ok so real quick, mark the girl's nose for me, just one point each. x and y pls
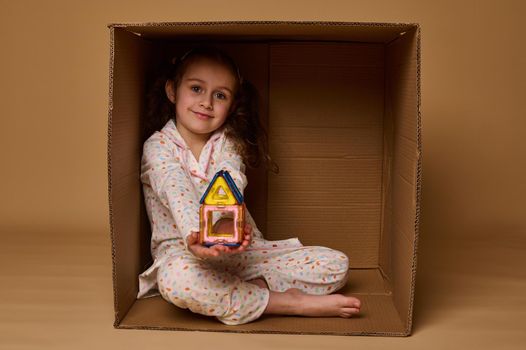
(206, 102)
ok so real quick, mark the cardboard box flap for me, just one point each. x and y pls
(403, 205)
(129, 59)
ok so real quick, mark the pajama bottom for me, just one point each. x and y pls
(218, 286)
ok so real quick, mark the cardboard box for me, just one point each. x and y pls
(342, 105)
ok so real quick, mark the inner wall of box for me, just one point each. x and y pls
(331, 126)
(326, 121)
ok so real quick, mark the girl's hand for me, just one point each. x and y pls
(216, 250)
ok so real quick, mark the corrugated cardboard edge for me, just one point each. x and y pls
(112, 27)
(418, 176)
(112, 231)
(209, 23)
(378, 334)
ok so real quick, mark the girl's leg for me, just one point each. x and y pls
(313, 270)
(190, 283)
(299, 280)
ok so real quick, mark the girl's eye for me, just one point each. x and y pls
(195, 88)
(220, 95)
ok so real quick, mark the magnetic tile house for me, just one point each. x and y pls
(221, 199)
(341, 103)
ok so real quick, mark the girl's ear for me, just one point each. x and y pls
(169, 87)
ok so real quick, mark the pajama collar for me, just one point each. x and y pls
(198, 167)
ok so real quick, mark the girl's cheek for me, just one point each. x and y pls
(227, 105)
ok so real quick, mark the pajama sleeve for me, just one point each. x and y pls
(169, 180)
(229, 159)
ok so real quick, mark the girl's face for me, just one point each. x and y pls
(203, 98)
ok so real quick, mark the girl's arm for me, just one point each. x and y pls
(169, 180)
(229, 159)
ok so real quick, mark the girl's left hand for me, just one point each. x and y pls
(218, 249)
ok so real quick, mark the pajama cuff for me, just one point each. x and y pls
(266, 297)
(263, 297)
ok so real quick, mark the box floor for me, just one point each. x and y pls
(57, 294)
(368, 285)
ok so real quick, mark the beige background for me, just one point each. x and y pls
(55, 263)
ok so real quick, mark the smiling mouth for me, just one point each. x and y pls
(202, 115)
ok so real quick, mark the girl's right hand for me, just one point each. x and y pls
(207, 252)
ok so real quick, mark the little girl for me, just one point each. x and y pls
(208, 121)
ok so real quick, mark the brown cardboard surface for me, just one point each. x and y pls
(320, 174)
(152, 314)
(301, 30)
(367, 284)
(403, 95)
(128, 61)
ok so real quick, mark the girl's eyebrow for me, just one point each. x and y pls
(203, 82)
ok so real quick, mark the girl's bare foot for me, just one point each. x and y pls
(296, 302)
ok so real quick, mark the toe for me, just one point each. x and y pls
(349, 312)
(356, 303)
